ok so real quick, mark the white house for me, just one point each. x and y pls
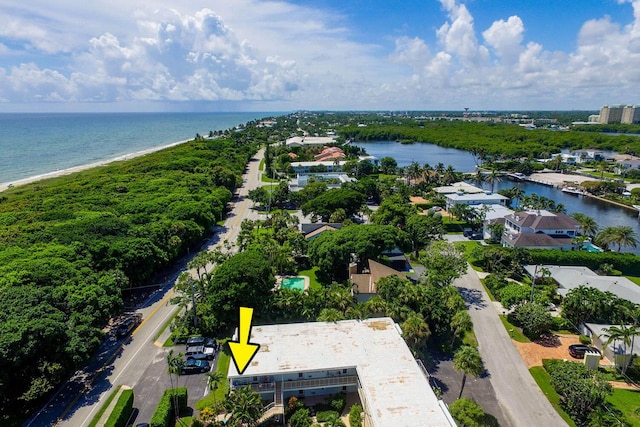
(486, 198)
(368, 357)
(615, 351)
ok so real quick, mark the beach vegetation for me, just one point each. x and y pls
(75, 247)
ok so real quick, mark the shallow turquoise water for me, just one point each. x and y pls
(293, 283)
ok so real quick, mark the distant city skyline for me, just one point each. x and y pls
(253, 55)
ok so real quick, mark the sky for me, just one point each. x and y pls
(260, 55)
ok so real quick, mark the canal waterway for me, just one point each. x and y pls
(605, 214)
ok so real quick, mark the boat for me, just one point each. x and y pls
(573, 190)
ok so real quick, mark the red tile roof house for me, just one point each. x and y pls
(540, 229)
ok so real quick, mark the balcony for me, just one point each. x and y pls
(320, 382)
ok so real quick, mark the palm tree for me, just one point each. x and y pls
(213, 381)
(468, 361)
(621, 333)
(621, 235)
(413, 172)
(589, 225)
(174, 363)
(493, 177)
(415, 329)
(245, 407)
(460, 322)
(330, 315)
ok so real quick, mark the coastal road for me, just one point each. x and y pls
(516, 390)
(139, 361)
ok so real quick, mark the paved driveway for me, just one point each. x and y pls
(519, 395)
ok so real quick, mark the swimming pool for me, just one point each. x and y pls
(293, 283)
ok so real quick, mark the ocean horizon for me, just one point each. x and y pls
(34, 144)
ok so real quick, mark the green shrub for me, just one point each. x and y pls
(122, 410)
(560, 323)
(355, 415)
(301, 418)
(584, 339)
(324, 416)
(338, 402)
(627, 263)
(165, 411)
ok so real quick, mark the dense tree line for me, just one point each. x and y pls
(500, 141)
(69, 246)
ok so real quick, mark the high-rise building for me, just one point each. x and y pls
(611, 113)
(631, 114)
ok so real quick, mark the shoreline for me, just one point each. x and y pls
(68, 171)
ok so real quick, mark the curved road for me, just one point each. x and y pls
(519, 395)
(139, 361)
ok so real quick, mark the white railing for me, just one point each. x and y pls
(320, 382)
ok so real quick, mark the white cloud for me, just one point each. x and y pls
(291, 56)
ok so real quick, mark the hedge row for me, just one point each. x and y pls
(122, 410)
(165, 411)
(627, 263)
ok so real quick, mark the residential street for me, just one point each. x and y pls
(138, 361)
(521, 399)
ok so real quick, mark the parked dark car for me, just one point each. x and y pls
(193, 341)
(578, 350)
(476, 235)
(194, 366)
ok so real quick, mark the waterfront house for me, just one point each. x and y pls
(367, 358)
(484, 198)
(300, 141)
(540, 229)
(458, 187)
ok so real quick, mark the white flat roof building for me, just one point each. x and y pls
(393, 388)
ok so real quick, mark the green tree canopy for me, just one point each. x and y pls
(337, 198)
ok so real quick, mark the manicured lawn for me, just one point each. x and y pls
(311, 274)
(627, 402)
(514, 331)
(470, 339)
(544, 382)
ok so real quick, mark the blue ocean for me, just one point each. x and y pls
(35, 144)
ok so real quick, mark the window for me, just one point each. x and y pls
(344, 371)
(299, 374)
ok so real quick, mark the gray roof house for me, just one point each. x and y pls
(571, 277)
(540, 229)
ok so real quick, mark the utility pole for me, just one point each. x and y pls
(533, 281)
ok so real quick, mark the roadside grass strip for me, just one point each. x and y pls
(627, 402)
(514, 332)
(544, 382)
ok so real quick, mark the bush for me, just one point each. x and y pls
(468, 413)
(534, 319)
(324, 416)
(627, 263)
(584, 339)
(122, 410)
(560, 323)
(301, 418)
(165, 411)
(338, 402)
(355, 416)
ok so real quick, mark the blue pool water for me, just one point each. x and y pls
(293, 283)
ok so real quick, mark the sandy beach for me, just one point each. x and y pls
(68, 171)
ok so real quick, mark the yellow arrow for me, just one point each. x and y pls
(242, 352)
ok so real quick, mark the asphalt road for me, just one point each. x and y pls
(520, 397)
(138, 361)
